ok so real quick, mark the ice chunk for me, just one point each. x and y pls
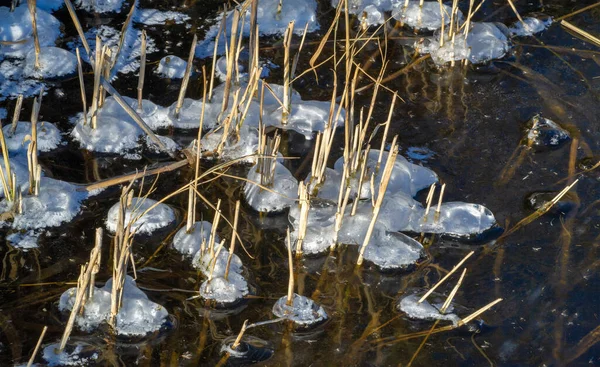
(18, 166)
(242, 148)
(372, 16)
(142, 222)
(270, 19)
(171, 67)
(16, 30)
(392, 251)
(428, 16)
(424, 310)
(138, 315)
(157, 17)
(154, 116)
(72, 355)
(112, 135)
(546, 134)
(225, 291)
(54, 63)
(48, 137)
(100, 6)
(251, 350)
(458, 219)
(303, 311)
(49, 5)
(320, 230)
(189, 243)
(207, 263)
(280, 195)
(530, 26)
(24, 240)
(170, 144)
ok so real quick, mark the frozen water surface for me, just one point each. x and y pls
(320, 230)
(16, 28)
(157, 17)
(100, 6)
(208, 263)
(158, 217)
(112, 135)
(530, 26)
(303, 310)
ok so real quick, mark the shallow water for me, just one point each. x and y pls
(471, 120)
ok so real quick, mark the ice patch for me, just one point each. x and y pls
(280, 195)
(303, 311)
(78, 356)
(24, 240)
(100, 6)
(320, 230)
(225, 291)
(112, 135)
(158, 217)
(427, 17)
(189, 243)
(529, 26)
(48, 137)
(54, 63)
(171, 67)
(157, 17)
(424, 310)
(16, 30)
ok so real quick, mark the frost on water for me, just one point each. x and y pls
(428, 16)
(530, 26)
(16, 30)
(57, 202)
(188, 243)
(72, 355)
(54, 63)
(100, 6)
(48, 137)
(171, 67)
(271, 22)
(142, 222)
(157, 17)
(281, 194)
(24, 240)
(303, 310)
(224, 291)
(410, 306)
(138, 315)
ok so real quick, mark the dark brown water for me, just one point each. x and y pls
(473, 120)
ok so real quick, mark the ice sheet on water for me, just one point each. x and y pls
(100, 6)
(158, 217)
(170, 145)
(206, 262)
(485, 42)
(458, 219)
(320, 230)
(303, 311)
(24, 240)
(530, 26)
(225, 291)
(171, 67)
(49, 5)
(54, 63)
(425, 311)
(158, 17)
(58, 202)
(72, 355)
(154, 116)
(392, 251)
(13, 82)
(138, 315)
(189, 243)
(16, 28)
(112, 135)
(280, 195)
(428, 16)
(271, 22)
(48, 137)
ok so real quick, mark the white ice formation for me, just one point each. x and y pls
(278, 196)
(16, 30)
(48, 137)
(529, 26)
(54, 62)
(72, 355)
(410, 306)
(426, 17)
(157, 17)
(138, 315)
(216, 287)
(100, 6)
(142, 222)
(171, 67)
(303, 310)
(189, 243)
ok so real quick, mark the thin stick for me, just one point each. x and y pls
(472, 316)
(186, 76)
(290, 294)
(287, 42)
(514, 9)
(233, 238)
(237, 341)
(453, 293)
(37, 346)
(97, 74)
(303, 221)
(581, 32)
(16, 114)
(36, 40)
(454, 269)
(77, 24)
(81, 85)
(140, 86)
(577, 12)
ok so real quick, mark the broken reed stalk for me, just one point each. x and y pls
(124, 31)
(32, 152)
(186, 76)
(514, 9)
(138, 120)
(287, 43)
(215, 51)
(16, 114)
(214, 259)
(454, 269)
(252, 50)
(37, 346)
(428, 201)
(290, 293)
(98, 62)
(81, 86)
(303, 221)
(581, 32)
(386, 129)
(385, 179)
(475, 314)
(237, 341)
(361, 178)
(189, 224)
(6, 174)
(213, 230)
(80, 32)
(233, 238)
(448, 301)
(140, 86)
(36, 40)
(439, 205)
(230, 57)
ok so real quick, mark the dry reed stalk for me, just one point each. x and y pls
(237, 341)
(108, 59)
(213, 231)
(32, 153)
(98, 62)
(6, 174)
(428, 201)
(199, 141)
(448, 301)
(386, 129)
(186, 76)
(468, 21)
(138, 120)
(230, 56)
(339, 215)
(36, 40)
(37, 346)
(16, 114)
(140, 86)
(190, 209)
(385, 179)
(303, 221)
(581, 32)
(97, 253)
(81, 86)
(215, 258)
(514, 9)
(472, 316)
(290, 293)
(122, 38)
(253, 41)
(215, 50)
(287, 43)
(454, 269)
(439, 205)
(80, 32)
(361, 178)
(233, 238)
(577, 12)
(442, 34)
